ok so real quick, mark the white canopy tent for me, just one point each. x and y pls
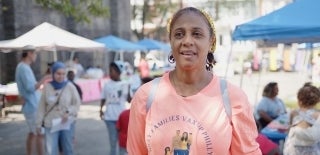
(47, 37)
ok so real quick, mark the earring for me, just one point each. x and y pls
(207, 61)
(171, 58)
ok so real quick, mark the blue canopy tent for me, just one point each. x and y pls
(297, 22)
(151, 44)
(114, 43)
(120, 45)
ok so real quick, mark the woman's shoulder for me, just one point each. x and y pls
(146, 88)
(238, 98)
(316, 114)
(47, 86)
(235, 91)
(70, 85)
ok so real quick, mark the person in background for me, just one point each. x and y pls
(122, 125)
(143, 67)
(114, 95)
(270, 106)
(77, 67)
(49, 64)
(189, 99)
(59, 102)
(70, 76)
(304, 136)
(48, 73)
(27, 87)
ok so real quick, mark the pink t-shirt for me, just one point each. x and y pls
(193, 125)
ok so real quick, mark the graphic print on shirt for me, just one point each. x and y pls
(179, 140)
(181, 143)
(115, 96)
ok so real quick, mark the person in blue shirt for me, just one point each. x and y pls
(27, 87)
(270, 106)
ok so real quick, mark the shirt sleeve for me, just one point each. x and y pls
(244, 129)
(104, 91)
(262, 105)
(28, 80)
(137, 121)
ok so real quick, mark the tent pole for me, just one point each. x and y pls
(242, 70)
(72, 55)
(260, 72)
(55, 57)
(121, 56)
(116, 56)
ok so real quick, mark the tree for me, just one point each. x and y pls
(156, 11)
(80, 10)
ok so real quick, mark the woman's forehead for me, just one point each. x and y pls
(61, 70)
(190, 19)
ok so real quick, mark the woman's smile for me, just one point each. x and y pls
(187, 53)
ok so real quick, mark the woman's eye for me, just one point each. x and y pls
(197, 34)
(178, 34)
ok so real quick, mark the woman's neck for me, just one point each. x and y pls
(190, 77)
(187, 83)
(306, 108)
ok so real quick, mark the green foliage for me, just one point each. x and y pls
(80, 10)
(151, 10)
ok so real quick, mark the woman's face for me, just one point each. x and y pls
(185, 134)
(190, 41)
(275, 91)
(60, 75)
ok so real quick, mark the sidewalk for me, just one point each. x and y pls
(91, 132)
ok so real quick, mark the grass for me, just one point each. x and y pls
(292, 104)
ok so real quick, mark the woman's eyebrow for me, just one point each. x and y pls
(179, 29)
(197, 28)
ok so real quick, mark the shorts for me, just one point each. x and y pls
(31, 122)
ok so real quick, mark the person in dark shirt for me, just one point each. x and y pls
(71, 76)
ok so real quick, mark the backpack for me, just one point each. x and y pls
(223, 88)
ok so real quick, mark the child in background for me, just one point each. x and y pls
(122, 125)
(304, 135)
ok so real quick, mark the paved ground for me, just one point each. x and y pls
(91, 132)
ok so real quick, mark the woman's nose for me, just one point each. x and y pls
(187, 40)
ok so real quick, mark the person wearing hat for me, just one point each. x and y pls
(27, 87)
(114, 96)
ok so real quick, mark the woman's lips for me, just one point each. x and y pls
(189, 52)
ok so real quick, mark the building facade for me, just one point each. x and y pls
(20, 16)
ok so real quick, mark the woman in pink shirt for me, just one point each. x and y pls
(143, 66)
(188, 115)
